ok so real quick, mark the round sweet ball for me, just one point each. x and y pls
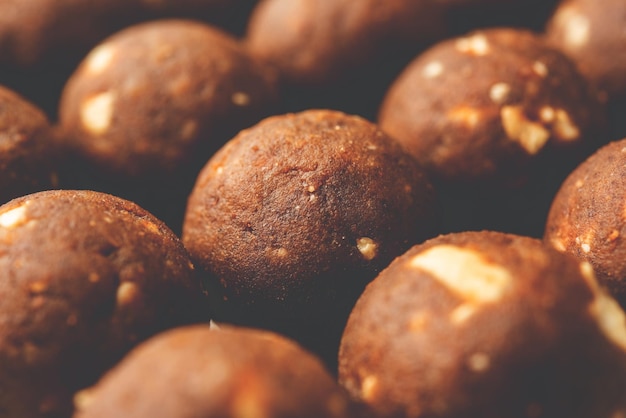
(486, 324)
(316, 42)
(86, 276)
(591, 32)
(153, 96)
(588, 219)
(29, 154)
(485, 105)
(295, 215)
(230, 372)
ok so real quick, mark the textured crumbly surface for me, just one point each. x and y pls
(486, 324)
(485, 105)
(588, 216)
(294, 215)
(86, 276)
(592, 33)
(294, 224)
(28, 153)
(156, 96)
(228, 372)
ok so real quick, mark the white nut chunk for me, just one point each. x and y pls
(499, 92)
(240, 98)
(96, 112)
(564, 127)
(369, 386)
(465, 115)
(100, 58)
(127, 292)
(462, 313)
(13, 217)
(605, 310)
(474, 45)
(532, 136)
(479, 362)
(465, 272)
(367, 247)
(576, 27)
(540, 69)
(610, 318)
(432, 69)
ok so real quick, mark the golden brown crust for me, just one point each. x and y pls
(588, 219)
(226, 372)
(86, 276)
(485, 324)
(485, 105)
(159, 95)
(294, 215)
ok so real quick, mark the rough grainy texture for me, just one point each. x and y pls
(86, 276)
(484, 106)
(227, 372)
(486, 324)
(28, 152)
(592, 33)
(147, 99)
(588, 216)
(294, 215)
(319, 41)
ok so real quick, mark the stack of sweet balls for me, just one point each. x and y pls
(313, 208)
